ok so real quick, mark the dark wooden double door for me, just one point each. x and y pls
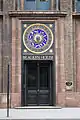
(37, 83)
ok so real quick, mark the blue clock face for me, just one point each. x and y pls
(38, 38)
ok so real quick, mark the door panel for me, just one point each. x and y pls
(44, 75)
(32, 97)
(32, 76)
(44, 84)
(37, 82)
(44, 97)
(31, 83)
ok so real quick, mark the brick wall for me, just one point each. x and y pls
(66, 56)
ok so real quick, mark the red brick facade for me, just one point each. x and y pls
(67, 42)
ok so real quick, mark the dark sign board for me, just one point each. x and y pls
(37, 57)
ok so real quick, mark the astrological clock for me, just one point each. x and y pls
(38, 38)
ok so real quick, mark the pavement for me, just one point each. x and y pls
(41, 114)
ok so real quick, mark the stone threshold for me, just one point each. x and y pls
(39, 107)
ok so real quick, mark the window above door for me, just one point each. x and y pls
(76, 5)
(38, 5)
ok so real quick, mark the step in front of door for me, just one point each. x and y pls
(39, 107)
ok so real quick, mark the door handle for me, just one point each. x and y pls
(38, 90)
(24, 86)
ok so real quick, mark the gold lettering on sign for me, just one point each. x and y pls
(31, 57)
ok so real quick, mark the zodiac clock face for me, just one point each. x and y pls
(38, 38)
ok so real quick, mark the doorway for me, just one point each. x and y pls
(37, 83)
